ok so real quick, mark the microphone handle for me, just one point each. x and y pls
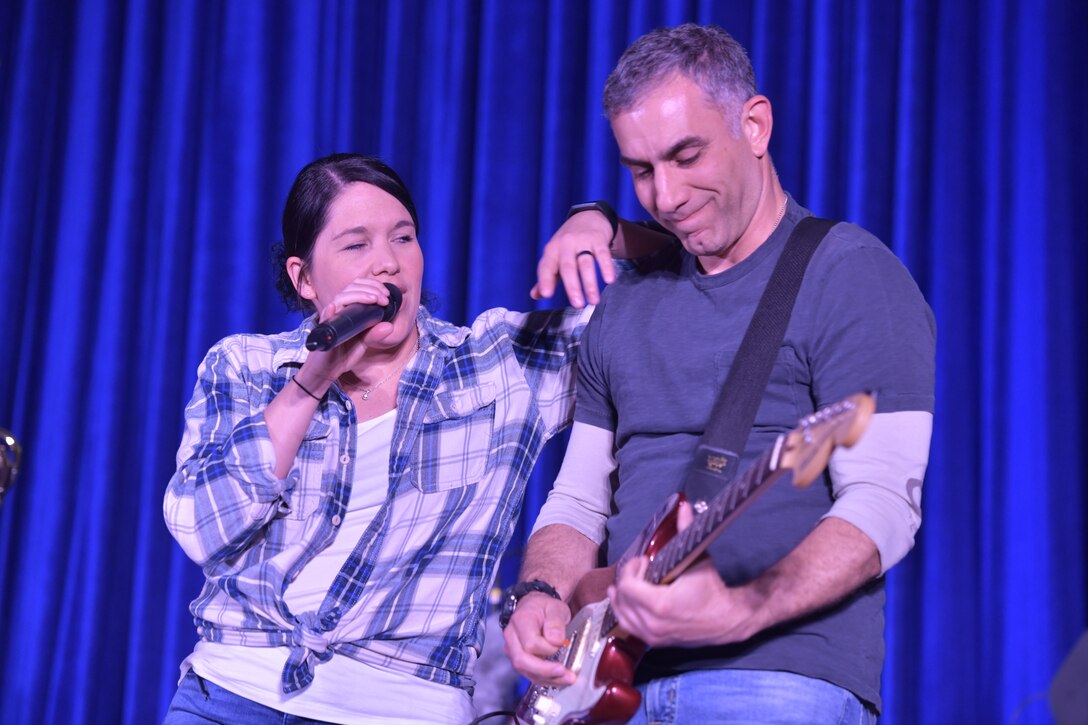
(352, 320)
(347, 324)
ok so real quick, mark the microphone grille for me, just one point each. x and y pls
(391, 309)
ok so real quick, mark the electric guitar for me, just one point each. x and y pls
(597, 650)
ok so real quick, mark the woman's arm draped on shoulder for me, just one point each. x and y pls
(226, 487)
(565, 255)
(546, 344)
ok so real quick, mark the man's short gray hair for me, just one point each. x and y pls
(705, 54)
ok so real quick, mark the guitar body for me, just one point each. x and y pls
(599, 652)
(605, 664)
(605, 667)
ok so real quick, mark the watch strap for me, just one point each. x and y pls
(603, 207)
(513, 595)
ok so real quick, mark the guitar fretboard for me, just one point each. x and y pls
(719, 509)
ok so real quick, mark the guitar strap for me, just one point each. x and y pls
(717, 457)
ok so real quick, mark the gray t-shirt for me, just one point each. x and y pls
(653, 359)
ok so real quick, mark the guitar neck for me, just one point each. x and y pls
(688, 545)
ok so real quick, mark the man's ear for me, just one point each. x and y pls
(300, 278)
(756, 122)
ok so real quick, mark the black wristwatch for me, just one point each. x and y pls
(603, 207)
(513, 594)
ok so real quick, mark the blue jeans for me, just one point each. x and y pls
(202, 701)
(748, 696)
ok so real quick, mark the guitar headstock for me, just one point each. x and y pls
(807, 448)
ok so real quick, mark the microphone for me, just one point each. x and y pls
(352, 320)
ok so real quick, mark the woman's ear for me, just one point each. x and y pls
(300, 278)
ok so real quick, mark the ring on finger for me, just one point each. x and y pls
(584, 251)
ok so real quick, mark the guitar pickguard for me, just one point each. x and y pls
(603, 666)
(543, 704)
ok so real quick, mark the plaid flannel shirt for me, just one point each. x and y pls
(475, 408)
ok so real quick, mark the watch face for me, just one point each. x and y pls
(509, 601)
(514, 594)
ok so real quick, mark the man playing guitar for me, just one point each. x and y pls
(784, 621)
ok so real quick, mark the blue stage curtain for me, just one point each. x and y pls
(146, 148)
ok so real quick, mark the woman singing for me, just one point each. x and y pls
(349, 507)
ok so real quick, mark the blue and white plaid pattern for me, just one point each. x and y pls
(475, 408)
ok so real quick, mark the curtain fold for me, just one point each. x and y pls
(146, 149)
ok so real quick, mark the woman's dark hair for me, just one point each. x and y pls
(307, 208)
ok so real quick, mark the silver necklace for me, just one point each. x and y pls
(365, 394)
(781, 213)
